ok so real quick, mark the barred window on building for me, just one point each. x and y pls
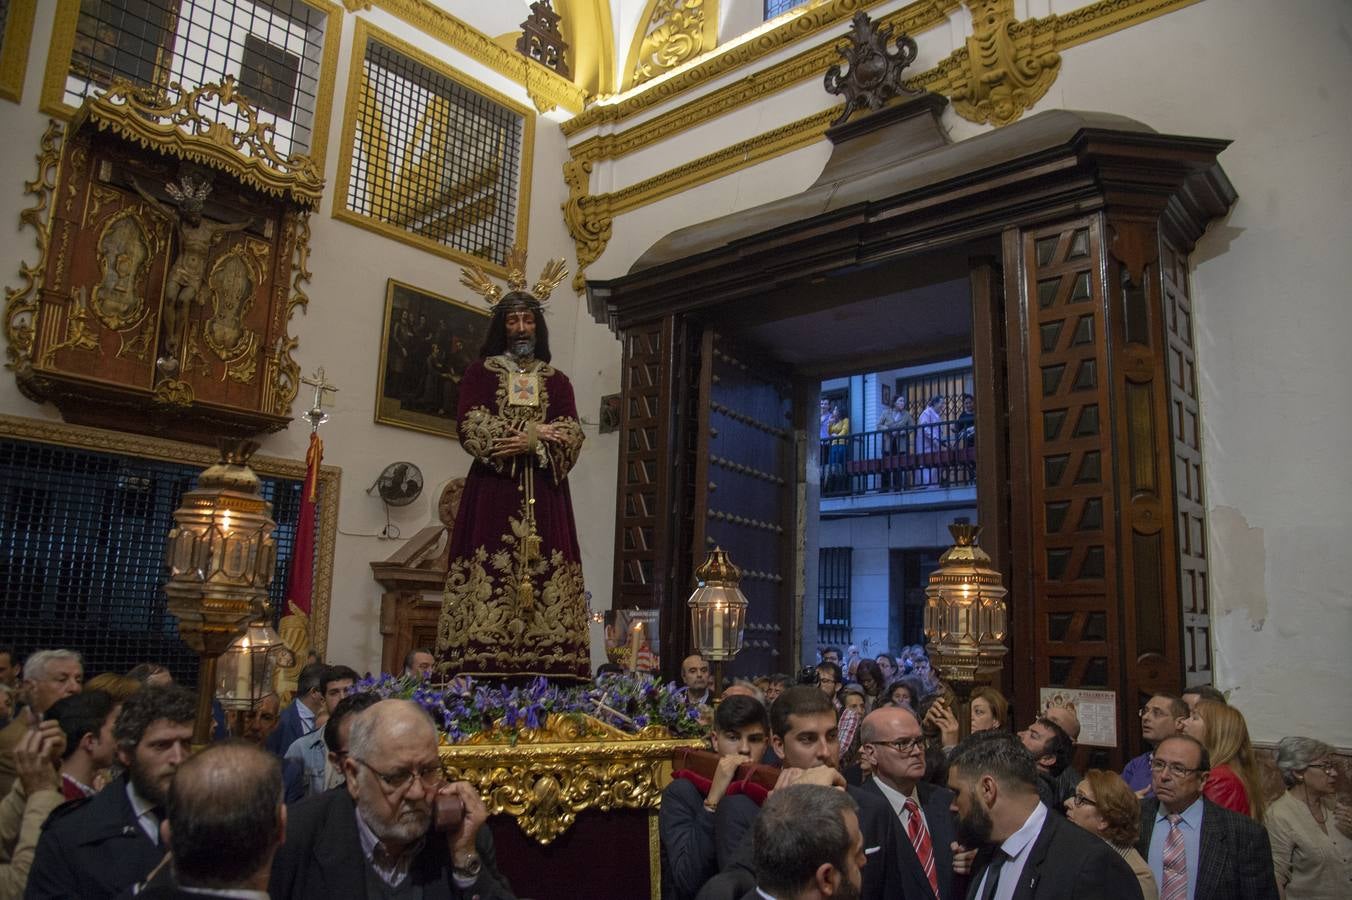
(779, 7)
(435, 158)
(273, 49)
(833, 595)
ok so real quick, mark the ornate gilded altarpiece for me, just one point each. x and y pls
(172, 250)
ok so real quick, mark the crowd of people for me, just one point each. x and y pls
(876, 795)
(848, 779)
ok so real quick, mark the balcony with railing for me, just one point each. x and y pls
(922, 465)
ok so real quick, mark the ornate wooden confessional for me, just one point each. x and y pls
(1077, 229)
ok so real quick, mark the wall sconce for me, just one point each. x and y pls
(221, 558)
(965, 614)
(717, 612)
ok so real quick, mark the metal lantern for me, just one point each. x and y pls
(221, 558)
(717, 608)
(245, 672)
(965, 612)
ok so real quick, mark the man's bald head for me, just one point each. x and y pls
(695, 673)
(1065, 717)
(884, 720)
(389, 723)
(225, 816)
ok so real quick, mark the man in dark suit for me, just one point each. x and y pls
(1216, 853)
(1027, 853)
(808, 845)
(893, 745)
(225, 821)
(298, 719)
(804, 734)
(376, 837)
(100, 847)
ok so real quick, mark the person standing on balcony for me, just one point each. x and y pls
(929, 439)
(838, 426)
(896, 421)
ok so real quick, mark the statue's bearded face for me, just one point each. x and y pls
(521, 333)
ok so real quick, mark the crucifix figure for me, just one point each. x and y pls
(195, 239)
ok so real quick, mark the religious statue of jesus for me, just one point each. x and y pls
(514, 603)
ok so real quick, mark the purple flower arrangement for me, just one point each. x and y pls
(465, 706)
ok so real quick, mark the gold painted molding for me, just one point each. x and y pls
(99, 439)
(546, 88)
(545, 777)
(14, 48)
(1008, 65)
(589, 217)
(365, 32)
(53, 101)
(588, 29)
(670, 34)
(798, 24)
(810, 64)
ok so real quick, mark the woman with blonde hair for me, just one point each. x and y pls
(1234, 782)
(1103, 805)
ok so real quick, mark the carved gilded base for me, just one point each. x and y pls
(543, 778)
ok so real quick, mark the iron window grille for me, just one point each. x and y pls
(833, 595)
(434, 158)
(273, 48)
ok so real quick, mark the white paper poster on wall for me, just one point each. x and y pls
(1096, 710)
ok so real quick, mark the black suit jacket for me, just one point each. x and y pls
(882, 873)
(322, 858)
(1234, 860)
(1067, 863)
(92, 849)
(935, 801)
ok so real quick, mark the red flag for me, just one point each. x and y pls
(295, 624)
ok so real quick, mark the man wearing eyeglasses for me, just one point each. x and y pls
(1196, 849)
(894, 748)
(377, 839)
(1161, 718)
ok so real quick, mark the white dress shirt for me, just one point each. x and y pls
(1017, 847)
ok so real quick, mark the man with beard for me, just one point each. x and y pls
(805, 735)
(100, 847)
(808, 846)
(376, 838)
(1025, 850)
(514, 601)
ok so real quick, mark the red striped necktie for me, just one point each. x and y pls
(920, 840)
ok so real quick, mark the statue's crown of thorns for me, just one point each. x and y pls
(478, 281)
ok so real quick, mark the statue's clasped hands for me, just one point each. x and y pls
(518, 442)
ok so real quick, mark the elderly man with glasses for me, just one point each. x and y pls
(894, 748)
(1196, 849)
(379, 838)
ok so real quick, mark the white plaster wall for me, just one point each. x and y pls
(341, 332)
(1273, 311)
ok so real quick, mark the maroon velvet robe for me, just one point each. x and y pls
(510, 609)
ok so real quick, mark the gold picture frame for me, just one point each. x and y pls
(425, 344)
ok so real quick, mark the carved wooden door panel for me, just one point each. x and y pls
(744, 492)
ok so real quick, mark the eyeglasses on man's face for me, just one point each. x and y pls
(903, 745)
(399, 780)
(1081, 800)
(1178, 770)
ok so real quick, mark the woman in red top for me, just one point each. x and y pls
(1234, 781)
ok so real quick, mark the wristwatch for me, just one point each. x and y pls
(469, 868)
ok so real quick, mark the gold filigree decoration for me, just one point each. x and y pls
(545, 777)
(231, 286)
(138, 346)
(194, 361)
(1008, 65)
(21, 303)
(676, 32)
(78, 334)
(588, 218)
(179, 128)
(172, 392)
(124, 256)
(283, 378)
